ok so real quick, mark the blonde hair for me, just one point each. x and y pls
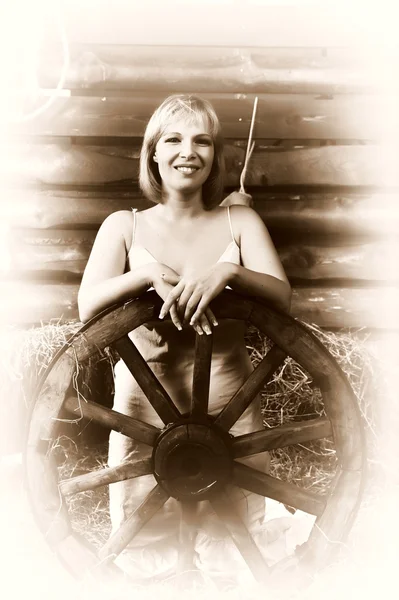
(191, 108)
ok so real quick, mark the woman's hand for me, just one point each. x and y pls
(163, 279)
(193, 295)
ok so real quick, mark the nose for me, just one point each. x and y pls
(187, 150)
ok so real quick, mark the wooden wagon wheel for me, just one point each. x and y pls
(212, 450)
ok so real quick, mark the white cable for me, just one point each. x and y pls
(57, 91)
(250, 147)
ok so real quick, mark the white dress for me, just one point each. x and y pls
(170, 355)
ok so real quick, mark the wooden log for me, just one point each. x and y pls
(335, 213)
(63, 163)
(373, 261)
(49, 250)
(77, 165)
(106, 67)
(34, 253)
(63, 209)
(283, 116)
(374, 307)
(347, 307)
(27, 303)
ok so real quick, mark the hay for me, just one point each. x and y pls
(289, 396)
(25, 355)
(292, 396)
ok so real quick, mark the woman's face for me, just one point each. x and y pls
(184, 155)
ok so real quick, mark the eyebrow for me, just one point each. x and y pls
(178, 133)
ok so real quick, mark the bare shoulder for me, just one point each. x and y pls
(244, 217)
(237, 211)
(120, 224)
(120, 218)
(243, 211)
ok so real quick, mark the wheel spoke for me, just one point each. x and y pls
(201, 374)
(278, 437)
(129, 529)
(95, 479)
(250, 388)
(287, 493)
(138, 430)
(155, 392)
(187, 535)
(240, 535)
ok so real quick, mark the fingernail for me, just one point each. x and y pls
(207, 330)
(215, 323)
(199, 331)
(179, 327)
(161, 315)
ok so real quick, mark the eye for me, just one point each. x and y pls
(204, 142)
(172, 140)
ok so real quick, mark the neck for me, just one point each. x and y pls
(178, 206)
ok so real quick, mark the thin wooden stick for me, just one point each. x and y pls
(279, 437)
(155, 392)
(247, 392)
(240, 535)
(138, 430)
(95, 479)
(127, 531)
(201, 374)
(270, 487)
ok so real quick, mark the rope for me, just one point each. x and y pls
(250, 147)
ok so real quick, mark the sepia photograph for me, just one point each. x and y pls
(199, 330)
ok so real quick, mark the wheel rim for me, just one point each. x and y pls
(209, 438)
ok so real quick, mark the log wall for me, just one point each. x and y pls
(321, 176)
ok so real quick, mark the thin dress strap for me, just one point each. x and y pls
(134, 211)
(231, 226)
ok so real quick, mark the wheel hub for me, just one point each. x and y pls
(192, 460)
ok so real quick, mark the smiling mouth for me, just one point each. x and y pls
(187, 170)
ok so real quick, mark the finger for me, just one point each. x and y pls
(205, 325)
(183, 299)
(171, 278)
(175, 317)
(198, 329)
(200, 309)
(170, 299)
(211, 317)
(191, 306)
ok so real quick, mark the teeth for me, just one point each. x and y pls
(186, 169)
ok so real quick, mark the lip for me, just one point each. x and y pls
(196, 167)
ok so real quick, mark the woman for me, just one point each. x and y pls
(188, 249)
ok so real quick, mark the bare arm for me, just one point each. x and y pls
(262, 273)
(104, 281)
